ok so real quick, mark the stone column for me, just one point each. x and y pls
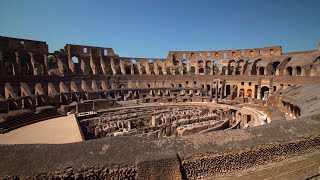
(32, 68)
(196, 68)
(17, 65)
(259, 93)
(46, 64)
(2, 70)
(216, 91)
(222, 89)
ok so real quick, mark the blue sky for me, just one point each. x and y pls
(150, 28)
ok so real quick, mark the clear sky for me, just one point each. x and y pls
(150, 28)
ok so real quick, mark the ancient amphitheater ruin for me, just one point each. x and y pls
(230, 114)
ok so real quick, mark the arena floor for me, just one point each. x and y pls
(54, 131)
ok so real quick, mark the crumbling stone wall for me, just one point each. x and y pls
(230, 162)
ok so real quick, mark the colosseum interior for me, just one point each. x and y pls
(230, 114)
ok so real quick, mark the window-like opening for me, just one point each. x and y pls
(274, 88)
(200, 54)
(184, 56)
(249, 93)
(105, 52)
(242, 53)
(208, 54)
(298, 69)
(75, 59)
(271, 51)
(192, 54)
(133, 61)
(22, 44)
(261, 71)
(201, 70)
(251, 52)
(225, 55)
(289, 71)
(223, 72)
(216, 54)
(85, 50)
(260, 52)
(250, 83)
(233, 53)
(242, 83)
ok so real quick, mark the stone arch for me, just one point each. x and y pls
(299, 71)
(201, 70)
(254, 67)
(223, 70)
(274, 66)
(75, 59)
(261, 71)
(289, 71)
(241, 92)
(264, 92)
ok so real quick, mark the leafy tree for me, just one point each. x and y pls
(118, 70)
(168, 71)
(152, 70)
(107, 70)
(143, 70)
(51, 59)
(193, 70)
(160, 70)
(176, 70)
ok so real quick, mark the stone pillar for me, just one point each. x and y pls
(265, 72)
(102, 63)
(196, 68)
(259, 93)
(17, 65)
(46, 64)
(32, 68)
(2, 70)
(222, 89)
(188, 68)
(294, 71)
(216, 91)
(234, 70)
(132, 69)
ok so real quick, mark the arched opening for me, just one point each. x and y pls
(264, 92)
(254, 67)
(122, 86)
(298, 69)
(231, 69)
(289, 71)
(201, 70)
(133, 61)
(192, 70)
(249, 93)
(241, 92)
(208, 67)
(75, 59)
(25, 68)
(223, 70)
(9, 67)
(228, 90)
(274, 67)
(128, 70)
(261, 71)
